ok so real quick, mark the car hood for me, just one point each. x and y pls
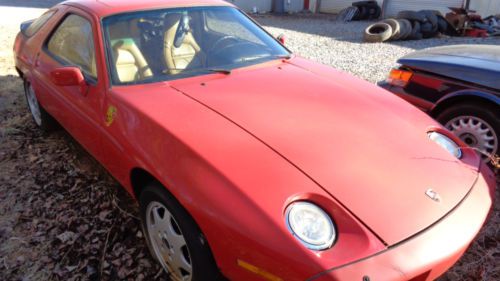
(478, 64)
(367, 148)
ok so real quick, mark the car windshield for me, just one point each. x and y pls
(159, 45)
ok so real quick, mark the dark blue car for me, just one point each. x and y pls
(459, 86)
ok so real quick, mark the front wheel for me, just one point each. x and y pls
(173, 237)
(42, 119)
(476, 125)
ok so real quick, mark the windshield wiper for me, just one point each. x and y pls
(185, 71)
(284, 57)
(220, 70)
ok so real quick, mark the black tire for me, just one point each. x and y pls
(412, 16)
(44, 121)
(428, 31)
(365, 4)
(489, 113)
(377, 14)
(378, 32)
(363, 13)
(436, 12)
(396, 28)
(406, 28)
(442, 25)
(371, 12)
(430, 16)
(356, 15)
(202, 261)
(416, 33)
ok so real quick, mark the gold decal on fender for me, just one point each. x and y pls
(110, 115)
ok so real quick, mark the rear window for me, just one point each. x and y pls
(38, 23)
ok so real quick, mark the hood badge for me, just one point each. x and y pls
(433, 195)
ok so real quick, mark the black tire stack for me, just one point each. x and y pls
(367, 10)
(409, 25)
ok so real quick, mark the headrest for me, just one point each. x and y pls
(182, 30)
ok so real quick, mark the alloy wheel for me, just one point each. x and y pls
(33, 105)
(168, 242)
(475, 132)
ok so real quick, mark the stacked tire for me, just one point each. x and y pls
(367, 10)
(409, 25)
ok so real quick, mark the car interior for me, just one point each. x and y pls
(161, 43)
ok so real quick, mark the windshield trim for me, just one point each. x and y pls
(200, 72)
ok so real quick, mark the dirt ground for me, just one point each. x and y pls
(62, 217)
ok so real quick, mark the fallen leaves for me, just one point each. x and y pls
(62, 217)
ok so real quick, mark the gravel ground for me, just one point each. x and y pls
(59, 209)
(340, 45)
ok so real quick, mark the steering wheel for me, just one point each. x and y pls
(222, 39)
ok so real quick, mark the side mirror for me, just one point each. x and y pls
(67, 76)
(281, 38)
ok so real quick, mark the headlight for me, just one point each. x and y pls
(311, 225)
(446, 143)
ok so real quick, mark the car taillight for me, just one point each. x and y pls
(399, 77)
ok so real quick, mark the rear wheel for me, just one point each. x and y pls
(173, 237)
(42, 119)
(477, 125)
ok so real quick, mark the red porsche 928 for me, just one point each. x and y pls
(249, 162)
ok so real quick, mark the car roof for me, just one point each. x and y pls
(103, 8)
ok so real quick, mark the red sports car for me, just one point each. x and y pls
(248, 162)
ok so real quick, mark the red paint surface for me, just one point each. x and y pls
(236, 149)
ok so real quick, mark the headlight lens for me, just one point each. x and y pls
(446, 143)
(311, 225)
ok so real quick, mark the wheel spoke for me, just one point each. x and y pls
(162, 220)
(488, 138)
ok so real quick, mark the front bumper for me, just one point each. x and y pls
(433, 251)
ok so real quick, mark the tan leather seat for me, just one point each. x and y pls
(130, 63)
(187, 55)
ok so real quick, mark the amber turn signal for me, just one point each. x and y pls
(262, 273)
(399, 77)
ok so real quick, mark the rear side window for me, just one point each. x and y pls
(73, 43)
(38, 23)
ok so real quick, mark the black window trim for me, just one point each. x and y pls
(53, 11)
(88, 77)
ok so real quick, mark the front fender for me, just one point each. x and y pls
(234, 186)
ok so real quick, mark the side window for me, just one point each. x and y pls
(73, 43)
(38, 23)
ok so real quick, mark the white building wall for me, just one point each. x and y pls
(267, 5)
(248, 5)
(294, 6)
(485, 7)
(335, 6)
(392, 7)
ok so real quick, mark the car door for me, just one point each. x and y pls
(77, 108)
